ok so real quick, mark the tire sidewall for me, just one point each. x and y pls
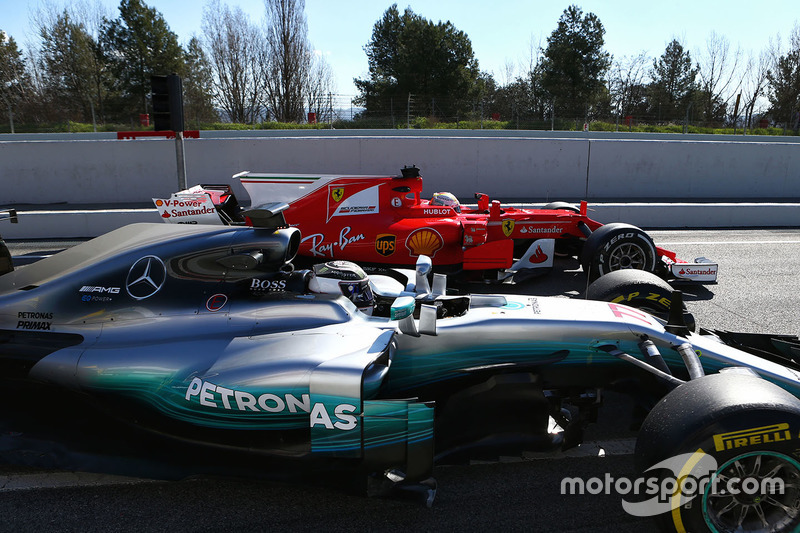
(639, 289)
(727, 417)
(602, 244)
(693, 515)
(635, 288)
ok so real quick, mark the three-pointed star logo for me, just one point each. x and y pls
(146, 277)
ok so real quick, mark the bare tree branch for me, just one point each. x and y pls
(236, 53)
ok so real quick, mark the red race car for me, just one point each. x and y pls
(384, 221)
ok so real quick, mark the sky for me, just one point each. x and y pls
(502, 32)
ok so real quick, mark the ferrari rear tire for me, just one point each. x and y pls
(565, 246)
(639, 289)
(562, 205)
(618, 246)
(726, 445)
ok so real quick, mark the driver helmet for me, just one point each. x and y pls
(446, 199)
(343, 277)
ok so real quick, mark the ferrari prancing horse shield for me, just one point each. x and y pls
(337, 193)
(508, 227)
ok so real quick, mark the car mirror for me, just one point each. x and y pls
(424, 266)
(403, 310)
(402, 307)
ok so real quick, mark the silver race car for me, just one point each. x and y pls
(163, 350)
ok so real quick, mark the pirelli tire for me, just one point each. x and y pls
(724, 450)
(562, 205)
(639, 289)
(618, 246)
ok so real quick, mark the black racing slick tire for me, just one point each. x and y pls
(639, 289)
(722, 451)
(562, 205)
(618, 246)
(566, 246)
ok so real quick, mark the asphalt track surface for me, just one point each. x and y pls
(757, 292)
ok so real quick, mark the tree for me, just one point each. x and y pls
(784, 85)
(673, 83)
(236, 50)
(138, 45)
(411, 55)
(754, 85)
(719, 79)
(318, 88)
(68, 61)
(198, 95)
(14, 80)
(628, 85)
(574, 64)
(288, 58)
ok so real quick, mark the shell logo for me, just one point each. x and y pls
(424, 241)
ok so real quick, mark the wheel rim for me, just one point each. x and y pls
(761, 504)
(628, 255)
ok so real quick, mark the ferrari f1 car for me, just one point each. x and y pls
(193, 346)
(384, 221)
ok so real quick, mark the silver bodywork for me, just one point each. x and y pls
(207, 327)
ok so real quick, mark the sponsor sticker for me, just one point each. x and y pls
(187, 208)
(146, 277)
(385, 244)
(216, 302)
(34, 320)
(100, 290)
(538, 256)
(750, 437)
(527, 229)
(424, 241)
(360, 200)
(209, 394)
(319, 247)
(259, 286)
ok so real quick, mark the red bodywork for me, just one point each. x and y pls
(384, 220)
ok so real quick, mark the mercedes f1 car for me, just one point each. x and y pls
(384, 221)
(192, 347)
